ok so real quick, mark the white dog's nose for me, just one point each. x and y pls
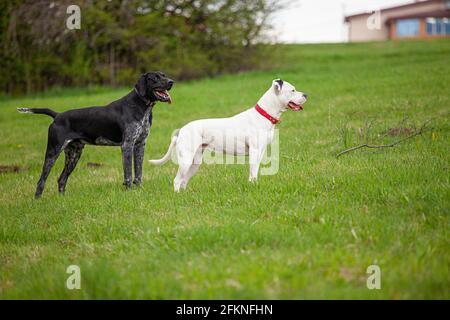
(305, 95)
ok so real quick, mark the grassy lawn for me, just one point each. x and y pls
(309, 231)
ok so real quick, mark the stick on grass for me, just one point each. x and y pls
(390, 145)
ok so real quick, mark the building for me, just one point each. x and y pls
(417, 20)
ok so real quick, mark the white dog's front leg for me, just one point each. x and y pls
(255, 158)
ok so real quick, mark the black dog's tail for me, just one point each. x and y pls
(46, 111)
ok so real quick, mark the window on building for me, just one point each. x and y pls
(438, 26)
(446, 25)
(431, 25)
(408, 27)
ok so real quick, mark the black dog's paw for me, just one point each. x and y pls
(127, 184)
(137, 183)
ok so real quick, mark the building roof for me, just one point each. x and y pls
(434, 14)
(408, 5)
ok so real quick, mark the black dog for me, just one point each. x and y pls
(125, 122)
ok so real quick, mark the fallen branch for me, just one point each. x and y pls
(390, 145)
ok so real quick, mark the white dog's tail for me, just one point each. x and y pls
(166, 157)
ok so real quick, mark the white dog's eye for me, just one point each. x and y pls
(293, 90)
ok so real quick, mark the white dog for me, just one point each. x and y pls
(247, 133)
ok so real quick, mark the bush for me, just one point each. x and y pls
(118, 40)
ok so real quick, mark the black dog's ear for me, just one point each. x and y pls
(277, 85)
(141, 85)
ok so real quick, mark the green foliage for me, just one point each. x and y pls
(309, 231)
(120, 39)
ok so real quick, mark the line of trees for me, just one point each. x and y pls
(118, 40)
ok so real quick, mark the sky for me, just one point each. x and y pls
(317, 21)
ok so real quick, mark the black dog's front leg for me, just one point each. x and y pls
(127, 159)
(139, 149)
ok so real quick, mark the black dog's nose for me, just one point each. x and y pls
(170, 83)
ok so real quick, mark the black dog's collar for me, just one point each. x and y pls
(147, 103)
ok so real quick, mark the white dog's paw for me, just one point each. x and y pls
(252, 179)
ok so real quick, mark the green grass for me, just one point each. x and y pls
(308, 232)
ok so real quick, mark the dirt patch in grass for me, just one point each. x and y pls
(393, 132)
(352, 275)
(5, 284)
(4, 168)
(94, 165)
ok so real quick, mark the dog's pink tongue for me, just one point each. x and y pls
(295, 107)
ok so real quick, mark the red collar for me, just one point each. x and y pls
(262, 112)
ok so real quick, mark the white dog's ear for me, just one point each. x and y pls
(277, 84)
